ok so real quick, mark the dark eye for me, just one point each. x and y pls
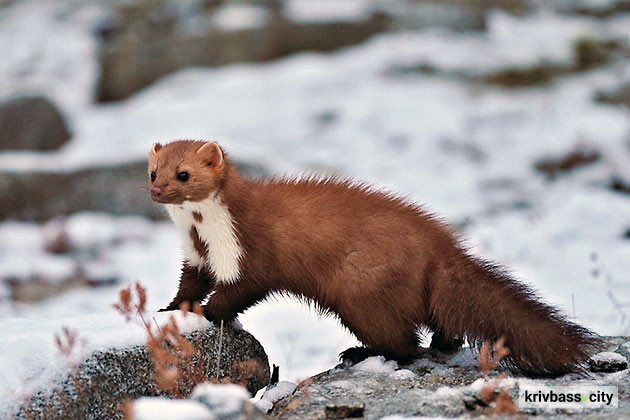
(182, 176)
(153, 176)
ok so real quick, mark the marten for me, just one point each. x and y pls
(383, 265)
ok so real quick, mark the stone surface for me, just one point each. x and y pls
(617, 96)
(437, 385)
(107, 379)
(587, 53)
(31, 123)
(115, 189)
(601, 9)
(608, 362)
(143, 40)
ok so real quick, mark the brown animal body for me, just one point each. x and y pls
(383, 265)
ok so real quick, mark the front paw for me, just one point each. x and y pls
(173, 306)
(355, 355)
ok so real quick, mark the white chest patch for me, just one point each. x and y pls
(216, 230)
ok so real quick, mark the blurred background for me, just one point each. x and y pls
(508, 118)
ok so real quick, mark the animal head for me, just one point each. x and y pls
(185, 170)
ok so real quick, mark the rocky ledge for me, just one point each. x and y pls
(106, 379)
(444, 386)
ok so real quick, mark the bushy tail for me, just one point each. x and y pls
(479, 301)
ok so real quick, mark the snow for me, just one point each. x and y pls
(264, 405)
(275, 393)
(32, 58)
(51, 268)
(403, 374)
(29, 358)
(156, 408)
(239, 17)
(465, 149)
(608, 357)
(376, 364)
(279, 391)
(445, 392)
(616, 376)
(328, 10)
(93, 238)
(224, 400)
(503, 383)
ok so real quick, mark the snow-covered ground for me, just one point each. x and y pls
(467, 150)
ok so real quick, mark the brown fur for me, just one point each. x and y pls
(197, 216)
(384, 266)
(200, 246)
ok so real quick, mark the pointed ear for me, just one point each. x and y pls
(212, 154)
(156, 147)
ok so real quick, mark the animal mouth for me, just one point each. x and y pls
(158, 196)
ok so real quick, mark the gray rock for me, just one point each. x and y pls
(607, 362)
(36, 288)
(107, 379)
(143, 40)
(31, 123)
(601, 9)
(116, 189)
(342, 410)
(419, 389)
(619, 95)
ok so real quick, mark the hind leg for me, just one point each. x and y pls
(443, 341)
(386, 336)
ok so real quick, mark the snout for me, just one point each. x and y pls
(156, 193)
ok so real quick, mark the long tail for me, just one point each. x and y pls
(479, 301)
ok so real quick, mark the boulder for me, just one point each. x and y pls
(143, 40)
(439, 385)
(31, 123)
(616, 96)
(107, 379)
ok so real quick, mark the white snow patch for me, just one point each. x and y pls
(376, 364)
(157, 408)
(444, 392)
(504, 383)
(609, 357)
(240, 17)
(224, 400)
(403, 374)
(274, 394)
(264, 405)
(29, 358)
(478, 385)
(50, 268)
(328, 10)
(616, 376)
